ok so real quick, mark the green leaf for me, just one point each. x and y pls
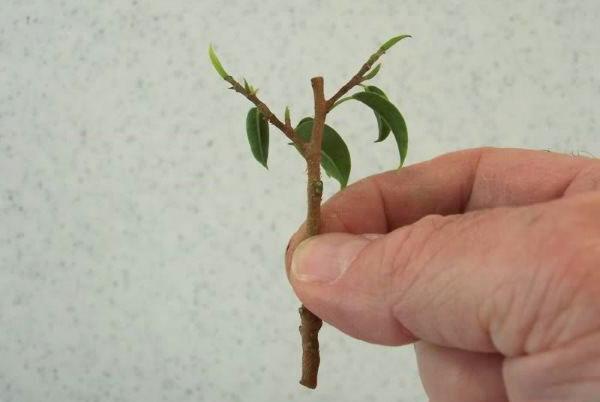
(391, 116)
(340, 101)
(383, 127)
(372, 73)
(216, 63)
(257, 129)
(387, 45)
(287, 115)
(335, 157)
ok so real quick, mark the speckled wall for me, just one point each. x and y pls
(141, 246)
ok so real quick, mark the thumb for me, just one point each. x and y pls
(349, 299)
(491, 281)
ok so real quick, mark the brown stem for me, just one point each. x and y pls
(310, 323)
(270, 116)
(309, 330)
(355, 80)
(313, 160)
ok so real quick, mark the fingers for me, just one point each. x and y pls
(570, 372)
(454, 183)
(450, 375)
(508, 280)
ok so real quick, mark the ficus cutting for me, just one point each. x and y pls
(320, 145)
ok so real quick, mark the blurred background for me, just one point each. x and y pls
(141, 246)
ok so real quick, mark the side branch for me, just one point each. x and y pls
(355, 80)
(270, 116)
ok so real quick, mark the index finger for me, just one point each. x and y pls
(455, 183)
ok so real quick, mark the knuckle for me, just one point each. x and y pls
(588, 179)
(568, 306)
(554, 297)
(579, 277)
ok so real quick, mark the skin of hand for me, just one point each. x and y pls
(487, 259)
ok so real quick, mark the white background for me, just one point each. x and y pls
(141, 246)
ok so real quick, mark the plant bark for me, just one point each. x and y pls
(310, 323)
(270, 116)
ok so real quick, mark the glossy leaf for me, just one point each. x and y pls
(216, 63)
(387, 45)
(257, 129)
(383, 128)
(335, 157)
(391, 116)
(372, 73)
(340, 101)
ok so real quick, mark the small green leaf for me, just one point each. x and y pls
(383, 128)
(391, 116)
(287, 115)
(216, 63)
(335, 157)
(372, 73)
(340, 101)
(257, 129)
(387, 45)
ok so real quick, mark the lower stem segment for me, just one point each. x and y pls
(309, 330)
(310, 324)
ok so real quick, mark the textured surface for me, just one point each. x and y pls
(141, 246)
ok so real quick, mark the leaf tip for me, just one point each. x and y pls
(287, 117)
(391, 42)
(216, 62)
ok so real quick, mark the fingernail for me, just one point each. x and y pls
(325, 258)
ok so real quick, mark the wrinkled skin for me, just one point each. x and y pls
(487, 259)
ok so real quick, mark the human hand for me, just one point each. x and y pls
(488, 259)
